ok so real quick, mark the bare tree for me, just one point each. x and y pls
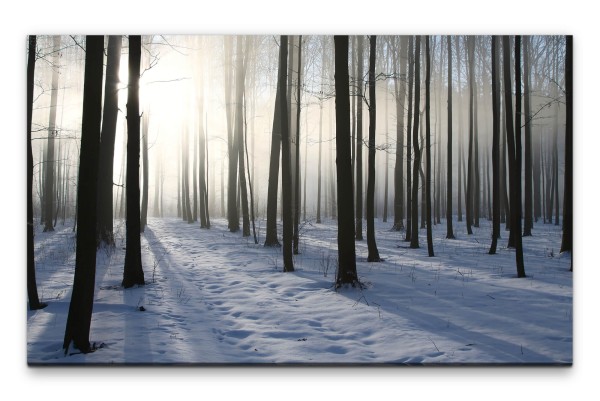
(449, 229)
(428, 146)
(567, 235)
(414, 239)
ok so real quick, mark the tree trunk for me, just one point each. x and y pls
(567, 234)
(32, 292)
(409, 140)
(52, 133)
(400, 87)
(271, 232)
(460, 133)
(297, 167)
(133, 273)
(470, 163)
(449, 229)
(145, 169)
(286, 168)
(528, 223)
(82, 298)
(240, 77)
(373, 255)
(414, 240)
(233, 222)
(514, 148)
(495, 148)
(359, 141)
(346, 273)
(428, 146)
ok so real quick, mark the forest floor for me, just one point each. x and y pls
(214, 297)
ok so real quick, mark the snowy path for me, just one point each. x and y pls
(215, 297)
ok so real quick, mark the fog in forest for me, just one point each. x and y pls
(183, 94)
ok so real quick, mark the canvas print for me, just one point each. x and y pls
(299, 200)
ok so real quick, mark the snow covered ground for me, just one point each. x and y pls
(213, 297)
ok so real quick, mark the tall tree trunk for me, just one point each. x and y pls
(359, 140)
(400, 87)
(233, 222)
(297, 167)
(82, 299)
(428, 146)
(186, 176)
(470, 163)
(567, 234)
(52, 133)
(286, 167)
(449, 229)
(202, 159)
(271, 234)
(373, 255)
(414, 240)
(528, 223)
(240, 77)
(514, 148)
(32, 292)
(409, 140)
(346, 273)
(460, 132)
(495, 148)
(133, 273)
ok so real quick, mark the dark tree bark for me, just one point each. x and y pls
(145, 170)
(470, 163)
(233, 221)
(52, 133)
(133, 273)
(449, 229)
(373, 254)
(495, 147)
(240, 77)
(414, 240)
(514, 149)
(82, 298)
(32, 292)
(459, 191)
(359, 140)
(567, 235)
(286, 167)
(107, 142)
(400, 87)
(409, 140)
(297, 167)
(346, 273)
(271, 231)
(428, 146)
(528, 223)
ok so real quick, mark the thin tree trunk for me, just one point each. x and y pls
(52, 133)
(528, 223)
(400, 86)
(373, 255)
(409, 140)
(297, 167)
(460, 133)
(414, 241)
(145, 169)
(514, 148)
(495, 148)
(359, 141)
(286, 168)
(240, 77)
(449, 228)
(428, 146)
